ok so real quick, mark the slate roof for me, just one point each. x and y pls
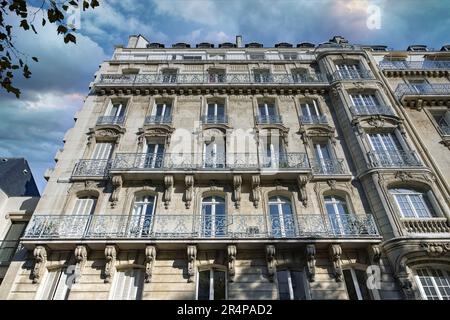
(16, 179)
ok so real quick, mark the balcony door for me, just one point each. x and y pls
(142, 218)
(310, 112)
(413, 204)
(162, 112)
(324, 158)
(169, 76)
(387, 149)
(103, 151)
(273, 152)
(81, 216)
(365, 103)
(349, 71)
(154, 155)
(281, 217)
(214, 153)
(261, 76)
(214, 218)
(338, 213)
(215, 113)
(267, 113)
(116, 110)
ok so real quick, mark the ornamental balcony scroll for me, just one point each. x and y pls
(185, 226)
(394, 158)
(92, 168)
(329, 166)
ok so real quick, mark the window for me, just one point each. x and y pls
(161, 113)
(262, 75)
(103, 151)
(256, 56)
(348, 71)
(268, 113)
(412, 204)
(324, 158)
(311, 113)
(169, 76)
(273, 152)
(216, 76)
(443, 122)
(418, 85)
(9, 245)
(281, 217)
(55, 285)
(84, 206)
(142, 218)
(214, 152)
(154, 154)
(290, 56)
(291, 285)
(300, 75)
(434, 284)
(116, 109)
(215, 113)
(337, 211)
(214, 219)
(387, 148)
(211, 284)
(355, 281)
(127, 285)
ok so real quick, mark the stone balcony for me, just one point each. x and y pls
(394, 159)
(173, 227)
(426, 225)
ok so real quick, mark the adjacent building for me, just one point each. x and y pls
(242, 172)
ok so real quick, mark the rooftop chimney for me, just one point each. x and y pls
(239, 41)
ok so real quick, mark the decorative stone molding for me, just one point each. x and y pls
(80, 253)
(332, 184)
(191, 256)
(335, 254)
(302, 180)
(40, 256)
(150, 257)
(159, 131)
(375, 253)
(256, 181)
(105, 134)
(117, 185)
(231, 262)
(271, 262)
(436, 248)
(237, 183)
(189, 185)
(110, 266)
(311, 261)
(168, 184)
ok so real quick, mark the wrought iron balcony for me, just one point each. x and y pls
(158, 119)
(313, 119)
(351, 75)
(220, 161)
(424, 225)
(414, 65)
(371, 110)
(91, 168)
(212, 119)
(266, 119)
(110, 120)
(186, 226)
(205, 78)
(7, 249)
(329, 166)
(394, 158)
(426, 89)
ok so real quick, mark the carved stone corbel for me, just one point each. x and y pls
(117, 184)
(168, 183)
(375, 254)
(191, 256)
(302, 180)
(237, 183)
(189, 184)
(256, 181)
(150, 257)
(110, 266)
(80, 253)
(271, 262)
(335, 254)
(231, 262)
(40, 256)
(311, 261)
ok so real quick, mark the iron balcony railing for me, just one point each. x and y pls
(371, 110)
(192, 161)
(213, 119)
(414, 65)
(268, 119)
(329, 166)
(313, 119)
(204, 78)
(158, 119)
(7, 250)
(425, 89)
(110, 120)
(394, 158)
(351, 75)
(182, 226)
(91, 168)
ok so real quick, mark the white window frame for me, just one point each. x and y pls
(82, 204)
(291, 288)
(335, 200)
(211, 282)
(213, 204)
(147, 200)
(310, 107)
(349, 70)
(120, 109)
(103, 151)
(355, 283)
(164, 109)
(411, 204)
(423, 294)
(279, 203)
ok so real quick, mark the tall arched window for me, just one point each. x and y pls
(128, 284)
(281, 217)
(214, 149)
(433, 283)
(55, 285)
(337, 211)
(142, 217)
(213, 217)
(412, 203)
(81, 216)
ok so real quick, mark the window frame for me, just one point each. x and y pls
(356, 284)
(137, 273)
(424, 199)
(305, 283)
(422, 292)
(211, 270)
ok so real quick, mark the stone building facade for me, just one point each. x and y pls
(244, 172)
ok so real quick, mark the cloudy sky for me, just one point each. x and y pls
(33, 127)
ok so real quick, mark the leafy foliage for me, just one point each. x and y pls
(54, 12)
